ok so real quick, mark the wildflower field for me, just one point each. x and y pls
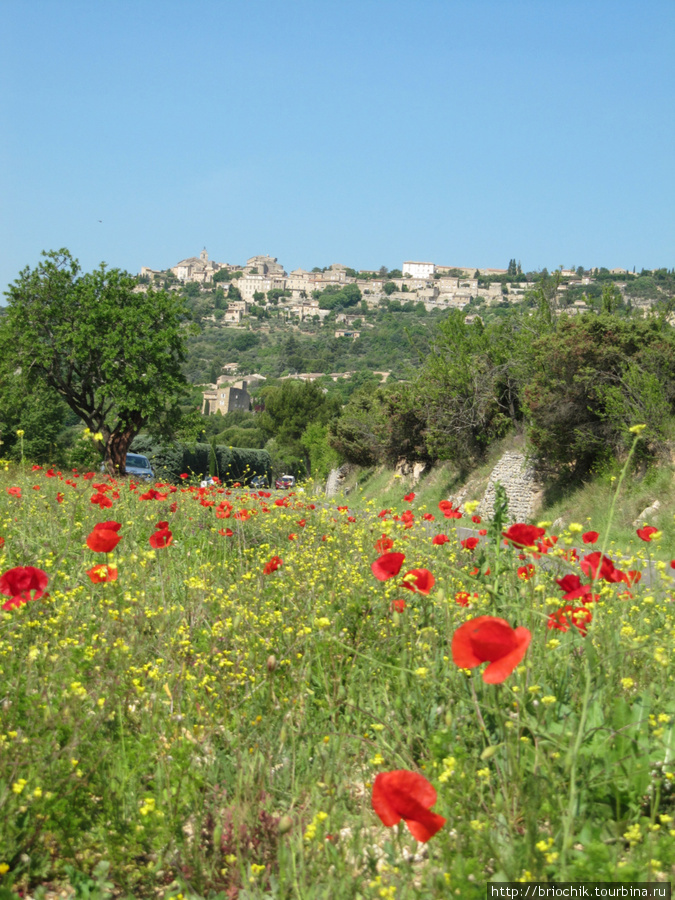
(212, 691)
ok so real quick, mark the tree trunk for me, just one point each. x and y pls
(118, 446)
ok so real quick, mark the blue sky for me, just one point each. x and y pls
(463, 132)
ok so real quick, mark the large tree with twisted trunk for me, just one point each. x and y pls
(112, 352)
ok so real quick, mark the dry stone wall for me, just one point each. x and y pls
(518, 476)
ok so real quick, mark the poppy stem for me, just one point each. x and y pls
(570, 815)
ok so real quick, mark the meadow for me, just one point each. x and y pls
(218, 692)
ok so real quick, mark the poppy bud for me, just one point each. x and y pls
(271, 663)
(489, 751)
(285, 824)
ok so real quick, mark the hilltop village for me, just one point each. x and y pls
(343, 304)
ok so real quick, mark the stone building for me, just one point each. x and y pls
(224, 398)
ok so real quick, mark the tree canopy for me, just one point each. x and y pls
(111, 352)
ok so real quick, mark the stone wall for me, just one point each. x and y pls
(523, 489)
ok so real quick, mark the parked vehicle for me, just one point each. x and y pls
(258, 482)
(139, 466)
(285, 483)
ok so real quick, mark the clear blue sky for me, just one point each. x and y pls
(463, 132)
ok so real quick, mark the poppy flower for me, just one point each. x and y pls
(482, 532)
(383, 513)
(275, 563)
(387, 566)
(562, 618)
(595, 565)
(100, 574)
(21, 585)
(526, 572)
(2, 542)
(440, 539)
(59, 497)
(104, 538)
(590, 537)
(100, 499)
(476, 520)
(398, 605)
(383, 544)
(463, 598)
(645, 534)
(492, 640)
(14, 491)
(162, 537)
(470, 543)
(406, 795)
(522, 535)
(429, 517)
(226, 532)
(421, 581)
(446, 508)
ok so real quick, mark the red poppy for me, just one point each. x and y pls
(594, 565)
(526, 572)
(102, 573)
(21, 585)
(100, 499)
(184, 475)
(292, 536)
(421, 581)
(152, 494)
(383, 513)
(482, 532)
(398, 605)
(409, 497)
(646, 533)
(632, 577)
(440, 539)
(476, 520)
(104, 538)
(574, 590)
(522, 535)
(173, 507)
(590, 537)
(562, 618)
(463, 598)
(406, 795)
(227, 532)
(59, 497)
(14, 491)
(301, 523)
(429, 517)
(446, 508)
(492, 640)
(343, 508)
(275, 563)
(387, 566)
(470, 543)
(162, 537)
(383, 544)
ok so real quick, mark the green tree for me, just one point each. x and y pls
(290, 408)
(389, 288)
(591, 380)
(112, 354)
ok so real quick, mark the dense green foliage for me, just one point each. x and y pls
(574, 385)
(170, 461)
(112, 353)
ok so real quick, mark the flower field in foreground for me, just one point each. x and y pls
(224, 692)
